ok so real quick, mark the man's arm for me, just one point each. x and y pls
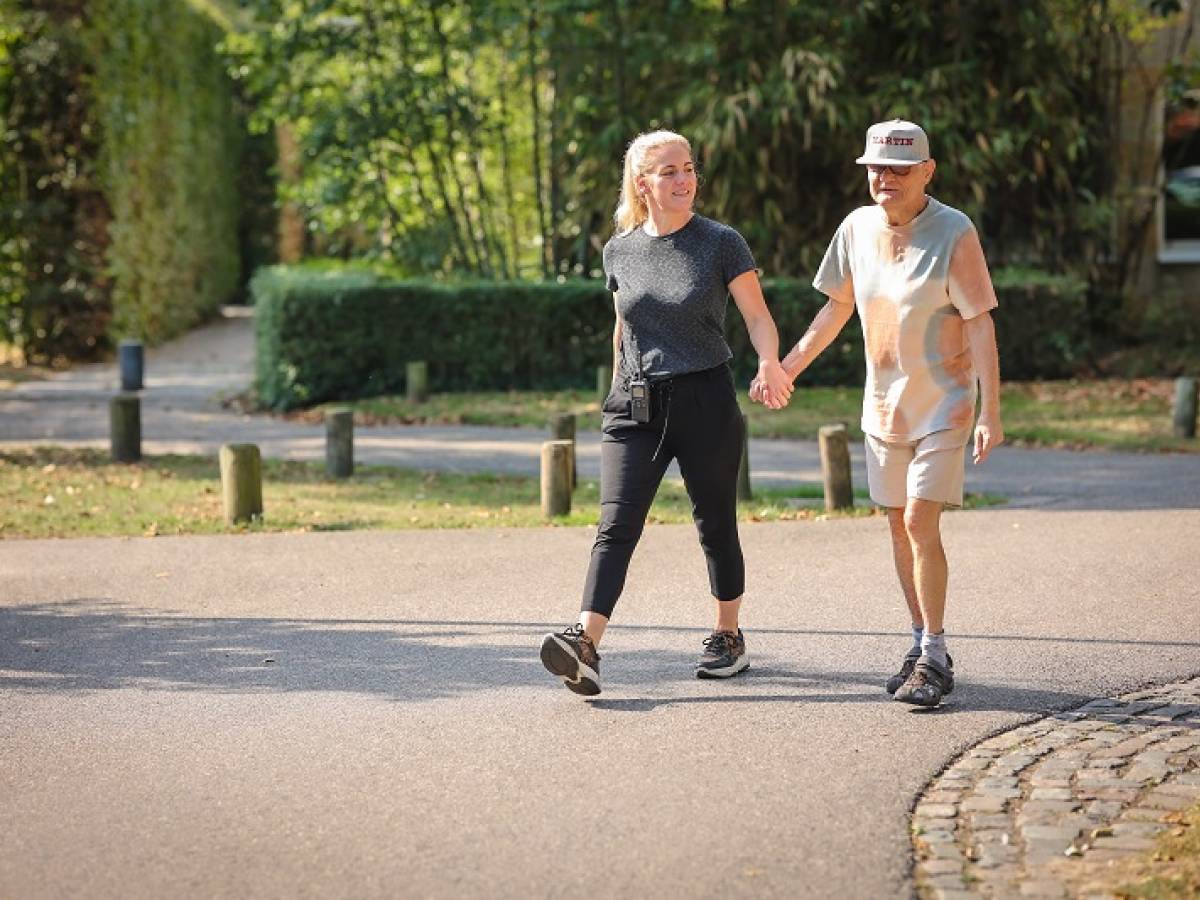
(826, 325)
(981, 336)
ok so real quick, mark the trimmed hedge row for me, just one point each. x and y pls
(337, 335)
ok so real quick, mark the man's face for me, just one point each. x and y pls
(899, 187)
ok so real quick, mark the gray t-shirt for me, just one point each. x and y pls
(672, 292)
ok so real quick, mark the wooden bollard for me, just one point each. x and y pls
(125, 427)
(834, 443)
(416, 379)
(556, 478)
(339, 442)
(241, 482)
(743, 478)
(562, 428)
(604, 379)
(1185, 407)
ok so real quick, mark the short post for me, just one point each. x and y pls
(339, 442)
(241, 482)
(743, 478)
(604, 377)
(556, 478)
(131, 362)
(834, 444)
(416, 377)
(1185, 407)
(125, 427)
(562, 428)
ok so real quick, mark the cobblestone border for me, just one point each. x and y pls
(1040, 810)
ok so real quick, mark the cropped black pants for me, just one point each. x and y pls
(697, 422)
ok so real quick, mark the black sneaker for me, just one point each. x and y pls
(571, 655)
(724, 655)
(927, 684)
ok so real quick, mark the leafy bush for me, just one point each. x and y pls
(328, 334)
(54, 294)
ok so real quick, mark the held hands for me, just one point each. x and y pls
(989, 434)
(772, 386)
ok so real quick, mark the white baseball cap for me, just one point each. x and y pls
(895, 143)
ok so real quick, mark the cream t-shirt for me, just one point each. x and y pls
(914, 287)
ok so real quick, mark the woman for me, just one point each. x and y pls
(671, 272)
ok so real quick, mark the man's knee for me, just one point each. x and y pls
(922, 522)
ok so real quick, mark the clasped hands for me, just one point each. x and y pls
(771, 386)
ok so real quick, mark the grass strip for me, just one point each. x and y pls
(59, 492)
(1113, 414)
(1169, 872)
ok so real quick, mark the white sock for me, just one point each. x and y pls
(934, 647)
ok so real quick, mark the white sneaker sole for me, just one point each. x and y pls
(740, 665)
(559, 659)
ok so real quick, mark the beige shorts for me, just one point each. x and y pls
(931, 468)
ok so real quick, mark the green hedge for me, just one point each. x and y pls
(338, 334)
(169, 164)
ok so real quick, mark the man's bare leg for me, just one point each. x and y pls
(902, 554)
(922, 521)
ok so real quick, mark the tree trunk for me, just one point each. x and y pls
(535, 117)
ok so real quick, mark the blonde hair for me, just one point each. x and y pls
(631, 209)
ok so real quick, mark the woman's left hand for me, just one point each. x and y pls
(772, 386)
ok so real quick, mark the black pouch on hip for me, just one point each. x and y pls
(641, 398)
(641, 409)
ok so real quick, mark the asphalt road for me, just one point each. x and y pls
(364, 714)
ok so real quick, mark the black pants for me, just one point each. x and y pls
(696, 421)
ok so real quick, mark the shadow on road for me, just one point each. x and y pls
(99, 644)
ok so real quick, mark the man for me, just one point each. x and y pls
(914, 269)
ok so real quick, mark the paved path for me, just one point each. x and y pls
(363, 714)
(182, 414)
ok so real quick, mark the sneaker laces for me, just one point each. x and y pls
(717, 642)
(587, 645)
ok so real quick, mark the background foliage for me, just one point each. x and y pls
(53, 216)
(168, 163)
(486, 137)
(482, 139)
(119, 150)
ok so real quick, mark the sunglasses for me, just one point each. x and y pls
(898, 171)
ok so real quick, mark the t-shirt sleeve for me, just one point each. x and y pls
(736, 258)
(834, 278)
(971, 289)
(610, 277)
